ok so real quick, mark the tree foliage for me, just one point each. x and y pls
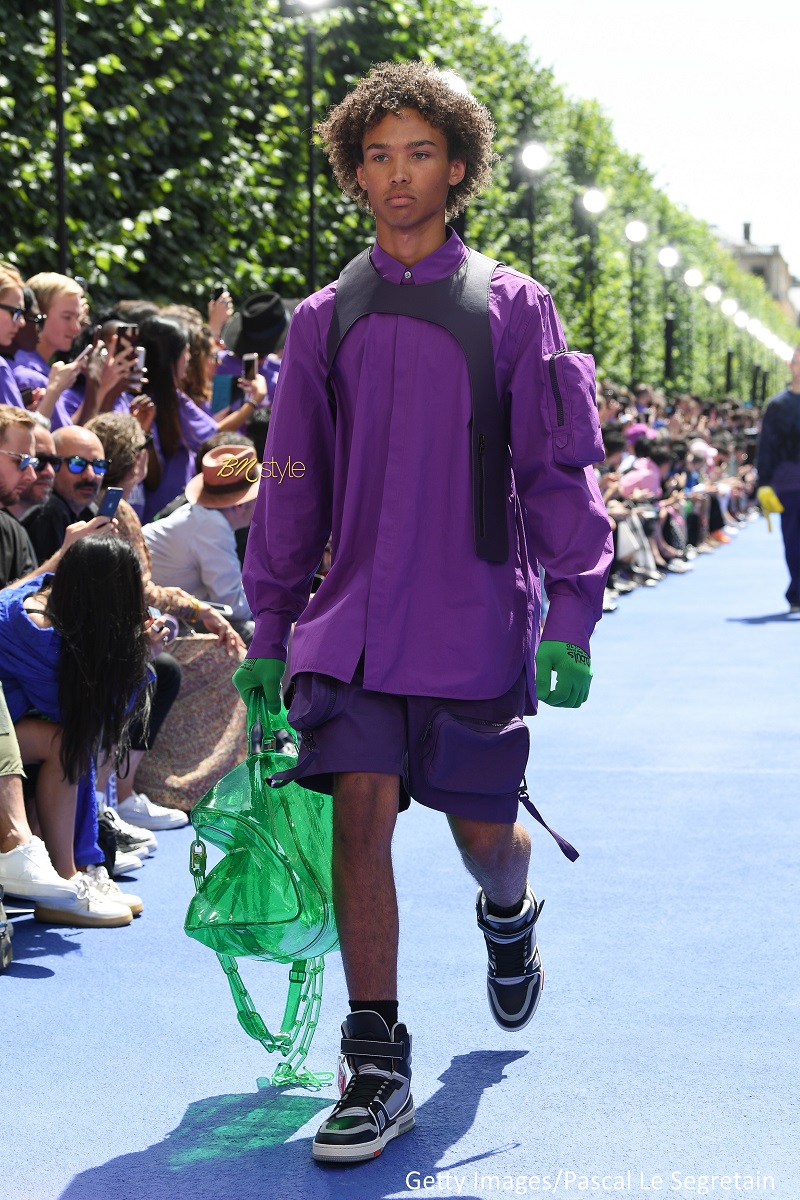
(188, 150)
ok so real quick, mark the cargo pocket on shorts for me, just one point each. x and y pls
(572, 407)
(315, 699)
(473, 755)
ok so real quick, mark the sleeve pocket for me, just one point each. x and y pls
(572, 407)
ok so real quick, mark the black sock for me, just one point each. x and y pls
(497, 910)
(384, 1008)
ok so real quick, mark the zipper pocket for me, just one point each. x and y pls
(469, 720)
(556, 388)
(331, 703)
(481, 486)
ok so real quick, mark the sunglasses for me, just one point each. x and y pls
(148, 441)
(23, 460)
(77, 464)
(17, 314)
(37, 319)
(43, 460)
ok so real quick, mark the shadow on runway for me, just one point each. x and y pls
(238, 1145)
(32, 940)
(767, 619)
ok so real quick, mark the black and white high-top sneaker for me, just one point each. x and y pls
(515, 977)
(377, 1104)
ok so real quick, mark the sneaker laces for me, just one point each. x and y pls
(98, 877)
(363, 1087)
(511, 959)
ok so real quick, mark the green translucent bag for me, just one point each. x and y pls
(271, 896)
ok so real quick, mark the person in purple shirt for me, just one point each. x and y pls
(415, 659)
(12, 316)
(179, 426)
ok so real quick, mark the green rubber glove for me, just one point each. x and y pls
(264, 673)
(573, 667)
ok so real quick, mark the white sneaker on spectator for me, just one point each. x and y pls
(130, 839)
(140, 810)
(101, 882)
(125, 863)
(27, 871)
(87, 908)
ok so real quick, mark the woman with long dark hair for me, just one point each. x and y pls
(75, 650)
(180, 426)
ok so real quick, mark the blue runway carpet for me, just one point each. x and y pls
(666, 1043)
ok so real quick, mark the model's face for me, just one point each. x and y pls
(13, 481)
(63, 322)
(78, 489)
(9, 327)
(406, 171)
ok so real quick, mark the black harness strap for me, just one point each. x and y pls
(459, 304)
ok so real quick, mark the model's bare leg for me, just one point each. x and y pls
(365, 901)
(125, 786)
(40, 741)
(497, 856)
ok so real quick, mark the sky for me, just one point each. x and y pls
(707, 93)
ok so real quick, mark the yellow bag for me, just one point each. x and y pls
(769, 504)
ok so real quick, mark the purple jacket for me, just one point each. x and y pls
(9, 388)
(390, 482)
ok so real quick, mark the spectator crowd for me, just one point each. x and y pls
(127, 438)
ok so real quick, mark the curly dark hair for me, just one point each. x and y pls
(467, 126)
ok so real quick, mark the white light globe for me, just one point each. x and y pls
(741, 319)
(754, 326)
(693, 278)
(668, 257)
(594, 201)
(636, 231)
(309, 4)
(713, 294)
(729, 306)
(535, 157)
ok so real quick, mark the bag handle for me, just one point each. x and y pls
(260, 719)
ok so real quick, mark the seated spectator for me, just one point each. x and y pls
(125, 447)
(258, 328)
(75, 489)
(38, 490)
(12, 318)
(60, 300)
(648, 473)
(25, 867)
(74, 649)
(195, 547)
(179, 426)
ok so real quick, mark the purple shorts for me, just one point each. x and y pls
(465, 757)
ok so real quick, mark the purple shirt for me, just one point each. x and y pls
(391, 482)
(72, 398)
(196, 427)
(30, 369)
(9, 388)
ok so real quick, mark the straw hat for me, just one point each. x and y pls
(230, 475)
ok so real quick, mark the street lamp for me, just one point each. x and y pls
(713, 294)
(595, 202)
(535, 158)
(296, 9)
(61, 147)
(636, 233)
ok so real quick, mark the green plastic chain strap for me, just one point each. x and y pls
(305, 990)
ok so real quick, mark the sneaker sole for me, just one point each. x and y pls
(62, 916)
(322, 1152)
(156, 824)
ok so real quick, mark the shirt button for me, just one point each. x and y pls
(407, 275)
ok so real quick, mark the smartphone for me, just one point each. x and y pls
(127, 336)
(249, 367)
(27, 396)
(110, 502)
(141, 355)
(219, 290)
(85, 352)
